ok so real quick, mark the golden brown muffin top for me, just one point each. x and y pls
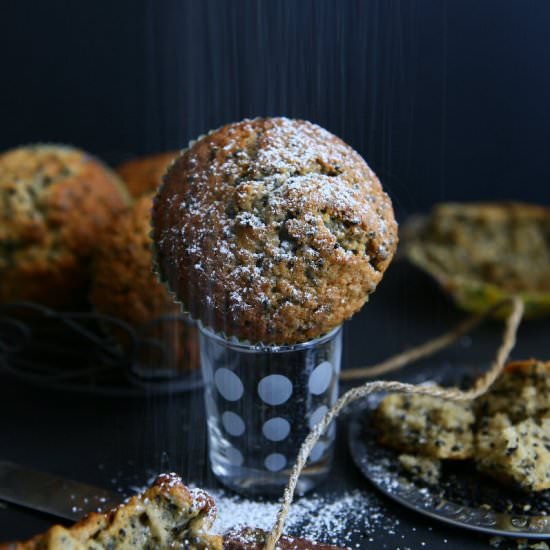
(51, 186)
(144, 175)
(272, 230)
(54, 201)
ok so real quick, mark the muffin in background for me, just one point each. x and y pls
(272, 230)
(482, 253)
(54, 201)
(124, 286)
(143, 175)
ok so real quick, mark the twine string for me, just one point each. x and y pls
(426, 349)
(482, 385)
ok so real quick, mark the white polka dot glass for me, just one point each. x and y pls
(261, 402)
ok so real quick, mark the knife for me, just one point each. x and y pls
(52, 494)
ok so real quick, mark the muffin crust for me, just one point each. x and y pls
(143, 175)
(54, 201)
(124, 286)
(123, 283)
(272, 230)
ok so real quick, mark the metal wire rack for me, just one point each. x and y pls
(92, 352)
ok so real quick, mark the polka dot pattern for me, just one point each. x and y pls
(228, 384)
(276, 429)
(317, 415)
(317, 451)
(275, 462)
(261, 406)
(275, 389)
(233, 423)
(320, 378)
(234, 456)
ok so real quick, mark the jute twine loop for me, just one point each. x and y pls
(481, 386)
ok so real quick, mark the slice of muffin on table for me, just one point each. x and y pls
(506, 432)
(517, 454)
(522, 391)
(166, 516)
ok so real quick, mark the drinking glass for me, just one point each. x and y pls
(261, 402)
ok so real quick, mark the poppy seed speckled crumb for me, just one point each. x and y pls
(272, 230)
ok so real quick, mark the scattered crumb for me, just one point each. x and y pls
(423, 468)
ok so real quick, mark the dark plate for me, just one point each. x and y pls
(464, 498)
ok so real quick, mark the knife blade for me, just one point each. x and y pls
(52, 494)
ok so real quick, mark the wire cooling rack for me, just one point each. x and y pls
(92, 352)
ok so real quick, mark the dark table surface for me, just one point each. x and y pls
(118, 442)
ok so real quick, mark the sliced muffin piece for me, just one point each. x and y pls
(168, 515)
(481, 253)
(521, 391)
(517, 454)
(429, 426)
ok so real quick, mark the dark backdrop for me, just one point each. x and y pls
(445, 99)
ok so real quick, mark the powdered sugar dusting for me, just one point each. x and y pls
(336, 519)
(282, 224)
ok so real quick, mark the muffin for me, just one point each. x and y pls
(143, 175)
(425, 425)
(272, 230)
(124, 286)
(521, 391)
(54, 201)
(515, 453)
(481, 253)
(167, 515)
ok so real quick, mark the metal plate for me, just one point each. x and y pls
(381, 467)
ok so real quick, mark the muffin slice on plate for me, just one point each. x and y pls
(521, 391)
(424, 425)
(517, 454)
